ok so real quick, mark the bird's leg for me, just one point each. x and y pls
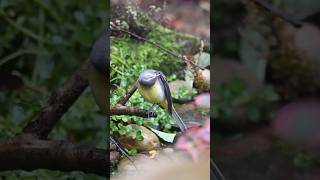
(150, 111)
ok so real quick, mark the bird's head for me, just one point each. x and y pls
(148, 77)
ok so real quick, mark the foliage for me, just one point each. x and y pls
(43, 42)
(300, 157)
(184, 93)
(233, 94)
(129, 56)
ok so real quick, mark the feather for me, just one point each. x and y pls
(179, 121)
(215, 171)
(166, 92)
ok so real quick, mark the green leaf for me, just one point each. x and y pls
(122, 129)
(128, 128)
(132, 152)
(138, 135)
(188, 76)
(165, 136)
(204, 59)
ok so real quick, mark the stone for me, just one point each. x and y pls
(150, 140)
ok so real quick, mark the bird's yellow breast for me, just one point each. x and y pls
(153, 94)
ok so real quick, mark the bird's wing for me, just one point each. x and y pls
(179, 121)
(166, 92)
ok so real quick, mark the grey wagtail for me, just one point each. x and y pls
(154, 88)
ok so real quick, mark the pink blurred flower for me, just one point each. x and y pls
(196, 141)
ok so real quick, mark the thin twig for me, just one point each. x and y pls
(20, 28)
(125, 98)
(184, 58)
(17, 54)
(144, 39)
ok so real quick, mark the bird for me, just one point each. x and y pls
(98, 71)
(153, 87)
(99, 63)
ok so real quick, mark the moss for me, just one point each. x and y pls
(129, 56)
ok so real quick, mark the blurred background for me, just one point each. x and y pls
(266, 106)
(41, 44)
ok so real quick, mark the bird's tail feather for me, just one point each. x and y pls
(215, 171)
(179, 121)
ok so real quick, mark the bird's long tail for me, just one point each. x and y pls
(179, 121)
(215, 171)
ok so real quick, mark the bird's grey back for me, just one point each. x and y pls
(99, 53)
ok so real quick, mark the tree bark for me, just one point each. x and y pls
(125, 110)
(59, 102)
(26, 153)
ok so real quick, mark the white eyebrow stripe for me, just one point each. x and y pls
(149, 76)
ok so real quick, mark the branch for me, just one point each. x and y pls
(27, 153)
(277, 12)
(125, 110)
(125, 98)
(59, 102)
(121, 109)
